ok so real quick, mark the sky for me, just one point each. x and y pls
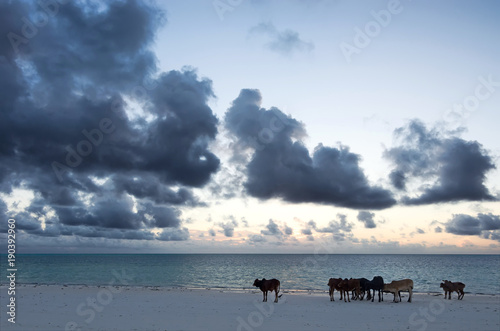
(250, 126)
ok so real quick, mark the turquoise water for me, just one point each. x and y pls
(480, 273)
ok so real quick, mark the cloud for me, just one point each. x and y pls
(281, 166)
(211, 232)
(228, 227)
(438, 229)
(94, 130)
(336, 226)
(272, 229)
(483, 225)
(284, 42)
(288, 230)
(420, 231)
(451, 168)
(307, 231)
(367, 218)
(256, 238)
(174, 235)
(340, 229)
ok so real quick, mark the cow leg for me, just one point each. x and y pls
(373, 296)
(265, 296)
(411, 292)
(394, 297)
(276, 296)
(379, 296)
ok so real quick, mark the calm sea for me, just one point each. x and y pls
(480, 273)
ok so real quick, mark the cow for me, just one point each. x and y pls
(450, 287)
(268, 285)
(376, 284)
(333, 284)
(348, 285)
(397, 286)
(362, 285)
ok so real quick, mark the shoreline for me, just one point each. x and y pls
(221, 289)
(79, 307)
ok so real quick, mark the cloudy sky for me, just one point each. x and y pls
(250, 126)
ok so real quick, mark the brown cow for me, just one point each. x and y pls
(333, 283)
(396, 286)
(268, 285)
(450, 287)
(348, 285)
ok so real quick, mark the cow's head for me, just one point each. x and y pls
(257, 282)
(343, 283)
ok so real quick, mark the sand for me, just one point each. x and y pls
(54, 307)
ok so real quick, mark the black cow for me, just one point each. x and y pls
(362, 283)
(268, 285)
(376, 284)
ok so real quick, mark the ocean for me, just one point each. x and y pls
(299, 272)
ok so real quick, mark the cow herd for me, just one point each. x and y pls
(357, 288)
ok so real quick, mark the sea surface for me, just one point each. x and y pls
(480, 273)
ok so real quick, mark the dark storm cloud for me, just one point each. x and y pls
(3, 217)
(85, 115)
(456, 167)
(484, 225)
(281, 166)
(367, 218)
(284, 42)
(147, 187)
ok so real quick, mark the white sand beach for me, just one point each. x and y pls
(55, 307)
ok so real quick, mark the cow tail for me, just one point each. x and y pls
(279, 289)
